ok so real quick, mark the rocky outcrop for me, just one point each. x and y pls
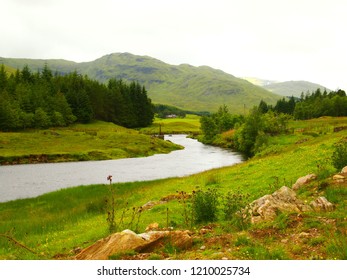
(303, 181)
(283, 200)
(128, 240)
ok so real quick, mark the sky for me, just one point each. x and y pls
(269, 39)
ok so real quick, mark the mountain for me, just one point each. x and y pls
(188, 87)
(289, 88)
(293, 88)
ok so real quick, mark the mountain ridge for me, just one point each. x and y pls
(287, 88)
(201, 88)
(294, 88)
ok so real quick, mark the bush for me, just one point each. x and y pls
(232, 210)
(339, 157)
(205, 206)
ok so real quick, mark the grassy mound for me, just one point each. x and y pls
(96, 141)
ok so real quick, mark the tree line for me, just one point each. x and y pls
(250, 133)
(311, 105)
(44, 99)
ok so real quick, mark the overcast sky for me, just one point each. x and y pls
(270, 39)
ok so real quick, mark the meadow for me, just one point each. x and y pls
(57, 224)
(187, 125)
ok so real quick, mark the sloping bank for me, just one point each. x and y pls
(96, 141)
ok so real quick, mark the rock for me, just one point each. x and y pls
(283, 200)
(115, 243)
(76, 250)
(322, 204)
(128, 240)
(304, 234)
(150, 204)
(157, 239)
(338, 178)
(203, 247)
(303, 180)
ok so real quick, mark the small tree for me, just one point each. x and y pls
(41, 118)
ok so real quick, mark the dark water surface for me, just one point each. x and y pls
(30, 180)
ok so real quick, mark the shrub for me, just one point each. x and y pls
(235, 209)
(205, 205)
(339, 157)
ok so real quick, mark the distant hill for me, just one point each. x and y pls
(289, 88)
(293, 88)
(191, 88)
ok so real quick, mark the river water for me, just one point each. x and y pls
(31, 180)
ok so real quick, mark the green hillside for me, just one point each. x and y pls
(185, 86)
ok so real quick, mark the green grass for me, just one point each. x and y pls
(55, 223)
(96, 141)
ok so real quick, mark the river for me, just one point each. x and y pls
(31, 180)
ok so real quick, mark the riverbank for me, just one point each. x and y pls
(80, 142)
(59, 224)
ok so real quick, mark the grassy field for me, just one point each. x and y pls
(96, 141)
(53, 225)
(188, 125)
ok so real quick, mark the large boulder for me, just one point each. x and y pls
(127, 240)
(115, 243)
(283, 200)
(303, 181)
